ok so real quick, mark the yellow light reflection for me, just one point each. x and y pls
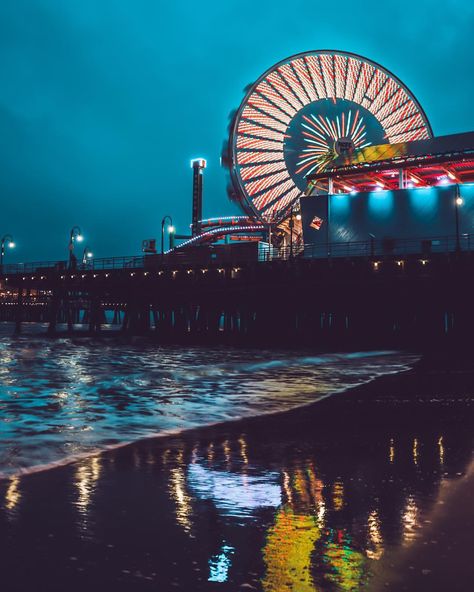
(287, 487)
(86, 477)
(13, 494)
(391, 453)
(243, 450)
(410, 520)
(316, 486)
(301, 487)
(210, 452)
(181, 498)
(415, 451)
(375, 549)
(338, 495)
(441, 450)
(287, 553)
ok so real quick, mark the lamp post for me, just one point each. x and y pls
(86, 255)
(74, 236)
(170, 233)
(8, 239)
(458, 201)
(292, 224)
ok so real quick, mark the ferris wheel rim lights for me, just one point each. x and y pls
(260, 176)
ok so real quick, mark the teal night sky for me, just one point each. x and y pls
(104, 102)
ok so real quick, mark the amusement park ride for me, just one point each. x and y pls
(354, 217)
(323, 122)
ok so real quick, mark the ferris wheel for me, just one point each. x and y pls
(305, 111)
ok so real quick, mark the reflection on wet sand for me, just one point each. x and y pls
(287, 553)
(322, 532)
(86, 481)
(12, 495)
(278, 518)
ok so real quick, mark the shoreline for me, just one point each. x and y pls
(367, 490)
(343, 402)
(235, 424)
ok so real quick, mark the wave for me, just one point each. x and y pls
(399, 365)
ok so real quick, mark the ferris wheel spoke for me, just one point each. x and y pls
(304, 112)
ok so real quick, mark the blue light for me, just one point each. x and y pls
(381, 203)
(424, 202)
(219, 565)
(340, 204)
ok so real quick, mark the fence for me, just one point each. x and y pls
(376, 248)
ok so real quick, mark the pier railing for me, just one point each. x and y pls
(371, 248)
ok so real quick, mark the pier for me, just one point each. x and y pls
(357, 295)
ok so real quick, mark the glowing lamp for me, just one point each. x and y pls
(298, 216)
(89, 254)
(79, 238)
(171, 229)
(11, 245)
(199, 163)
(459, 201)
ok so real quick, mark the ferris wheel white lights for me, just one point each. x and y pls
(305, 111)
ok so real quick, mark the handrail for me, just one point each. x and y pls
(374, 248)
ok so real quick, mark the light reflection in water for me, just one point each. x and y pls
(410, 521)
(13, 494)
(310, 545)
(441, 450)
(181, 498)
(86, 480)
(243, 450)
(376, 548)
(235, 494)
(178, 490)
(287, 552)
(286, 487)
(227, 452)
(210, 452)
(338, 495)
(415, 451)
(340, 566)
(391, 453)
(63, 398)
(219, 564)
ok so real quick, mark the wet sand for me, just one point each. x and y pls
(369, 490)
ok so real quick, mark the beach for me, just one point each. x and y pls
(370, 489)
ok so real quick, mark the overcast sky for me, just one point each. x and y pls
(104, 102)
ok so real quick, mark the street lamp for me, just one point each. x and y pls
(86, 255)
(8, 239)
(171, 231)
(458, 201)
(292, 224)
(74, 236)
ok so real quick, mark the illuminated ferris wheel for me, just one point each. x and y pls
(302, 113)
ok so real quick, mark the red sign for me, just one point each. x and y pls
(316, 223)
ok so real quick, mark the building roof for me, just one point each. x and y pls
(426, 162)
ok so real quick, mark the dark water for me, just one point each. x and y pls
(64, 399)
